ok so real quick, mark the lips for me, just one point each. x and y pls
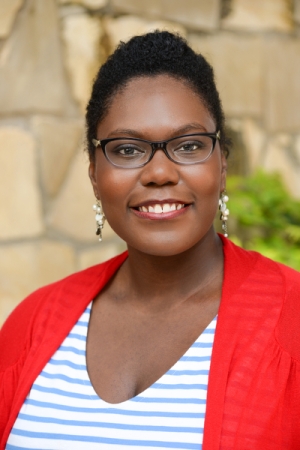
(161, 208)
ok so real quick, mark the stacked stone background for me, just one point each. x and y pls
(50, 51)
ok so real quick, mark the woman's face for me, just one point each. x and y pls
(157, 109)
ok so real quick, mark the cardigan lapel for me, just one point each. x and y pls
(249, 310)
(61, 305)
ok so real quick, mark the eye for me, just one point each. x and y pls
(191, 146)
(128, 150)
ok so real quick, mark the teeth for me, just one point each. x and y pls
(167, 208)
(159, 209)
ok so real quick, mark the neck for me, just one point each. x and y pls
(156, 282)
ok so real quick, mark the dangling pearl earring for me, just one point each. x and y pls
(100, 219)
(224, 211)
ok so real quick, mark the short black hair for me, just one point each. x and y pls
(152, 54)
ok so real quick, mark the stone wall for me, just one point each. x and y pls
(49, 53)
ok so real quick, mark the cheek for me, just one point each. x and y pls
(206, 185)
(114, 185)
(205, 180)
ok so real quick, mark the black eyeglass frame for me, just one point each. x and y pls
(157, 145)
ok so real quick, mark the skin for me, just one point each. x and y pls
(169, 288)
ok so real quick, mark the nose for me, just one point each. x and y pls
(160, 170)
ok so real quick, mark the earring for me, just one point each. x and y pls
(224, 211)
(100, 218)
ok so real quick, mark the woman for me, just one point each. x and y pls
(120, 355)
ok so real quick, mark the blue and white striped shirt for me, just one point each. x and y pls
(63, 412)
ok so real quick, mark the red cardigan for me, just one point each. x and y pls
(253, 398)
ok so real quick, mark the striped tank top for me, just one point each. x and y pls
(63, 412)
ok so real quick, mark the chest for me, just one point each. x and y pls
(128, 352)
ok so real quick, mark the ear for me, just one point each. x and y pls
(223, 171)
(93, 178)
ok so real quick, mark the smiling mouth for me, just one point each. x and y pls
(161, 208)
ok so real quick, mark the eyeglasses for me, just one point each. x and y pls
(130, 153)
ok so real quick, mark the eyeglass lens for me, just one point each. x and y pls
(133, 153)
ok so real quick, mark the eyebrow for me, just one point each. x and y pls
(176, 132)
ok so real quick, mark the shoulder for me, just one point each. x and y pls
(243, 266)
(290, 275)
(289, 324)
(52, 305)
(250, 260)
(274, 279)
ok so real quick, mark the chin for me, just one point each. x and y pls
(164, 252)
(165, 248)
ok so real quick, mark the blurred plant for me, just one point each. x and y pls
(264, 217)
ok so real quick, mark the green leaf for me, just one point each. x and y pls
(264, 217)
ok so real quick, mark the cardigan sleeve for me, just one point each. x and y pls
(15, 332)
(8, 382)
(15, 341)
(288, 331)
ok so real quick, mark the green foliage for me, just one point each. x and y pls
(264, 217)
